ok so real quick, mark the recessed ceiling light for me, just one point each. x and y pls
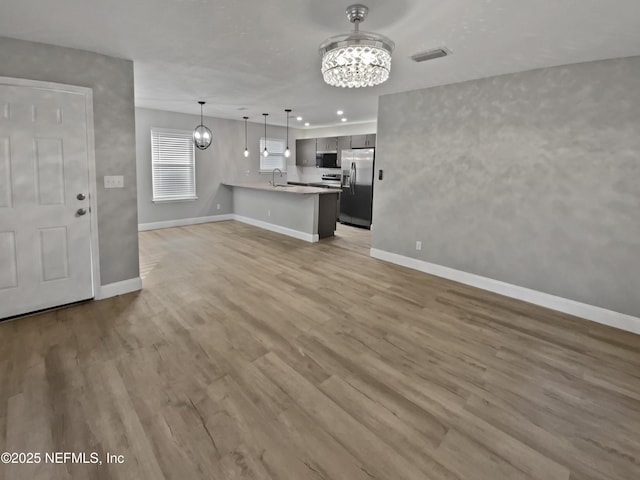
(344, 119)
(299, 119)
(306, 124)
(339, 112)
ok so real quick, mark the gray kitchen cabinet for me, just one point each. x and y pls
(371, 140)
(306, 152)
(358, 141)
(363, 141)
(327, 144)
(344, 143)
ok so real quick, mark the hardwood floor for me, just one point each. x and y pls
(356, 239)
(256, 356)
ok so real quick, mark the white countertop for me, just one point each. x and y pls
(297, 189)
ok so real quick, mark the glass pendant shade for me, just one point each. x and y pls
(358, 59)
(265, 152)
(202, 136)
(287, 152)
(246, 148)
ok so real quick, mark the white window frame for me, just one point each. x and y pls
(276, 148)
(186, 149)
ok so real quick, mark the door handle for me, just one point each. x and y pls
(355, 178)
(81, 211)
(351, 179)
(81, 196)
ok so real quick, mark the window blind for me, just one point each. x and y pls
(276, 158)
(173, 165)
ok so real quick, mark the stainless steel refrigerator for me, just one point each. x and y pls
(357, 186)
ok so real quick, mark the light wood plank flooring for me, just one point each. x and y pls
(356, 239)
(250, 355)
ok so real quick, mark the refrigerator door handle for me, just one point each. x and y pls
(353, 179)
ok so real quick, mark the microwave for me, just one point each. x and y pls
(327, 160)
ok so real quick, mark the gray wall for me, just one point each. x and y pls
(112, 82)
(531, 178)
(223, 161)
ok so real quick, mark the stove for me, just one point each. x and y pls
(329, 180)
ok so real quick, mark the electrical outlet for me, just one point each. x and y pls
(418, 245)
(268, 213)
(113, 181)
(218, 206)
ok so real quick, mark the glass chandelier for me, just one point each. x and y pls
(202, 136)
(358, 59)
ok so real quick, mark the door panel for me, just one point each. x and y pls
(346, 200)
(358, 141)
(362, 205)
(45, 246)
(6, 192)
(306, 152)
(371, 140)
(54, 253)
(9, 272)
(344, 143)
(49, 168)
(346, 206)
(363, 192)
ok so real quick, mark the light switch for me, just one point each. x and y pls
(113, 181)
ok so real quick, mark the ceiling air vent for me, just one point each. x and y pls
(430, 54)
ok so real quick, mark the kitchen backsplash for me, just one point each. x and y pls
(311, 174)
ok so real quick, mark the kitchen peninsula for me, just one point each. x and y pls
(307, 213)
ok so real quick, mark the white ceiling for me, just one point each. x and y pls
(245, 57)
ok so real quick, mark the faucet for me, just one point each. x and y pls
(273, 176)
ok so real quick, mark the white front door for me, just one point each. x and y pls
(45, 226)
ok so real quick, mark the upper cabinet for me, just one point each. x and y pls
(363, 141)
(327, 144)
(306, 152)
(307, 148)
(344, 143)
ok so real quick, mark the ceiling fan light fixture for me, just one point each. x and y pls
(202, 136)
(358, 59)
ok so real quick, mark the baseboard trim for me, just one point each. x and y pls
(307, 237)
(119, 288)
(572, 307)
(181, 222)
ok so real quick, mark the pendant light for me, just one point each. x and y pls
(265, 152)
(358, 59)
(246, 149)
(202, 136)
(287, 152)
